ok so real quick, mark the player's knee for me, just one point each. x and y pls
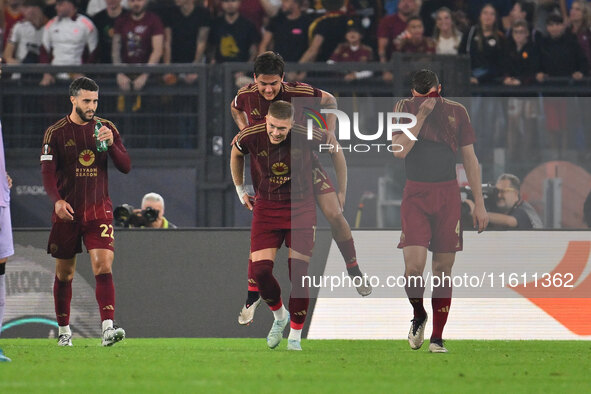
(413, 271)
(65, 276)
(262, 270)
(334, 215)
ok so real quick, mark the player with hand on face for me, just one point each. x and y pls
(431, 204)
(249, 107)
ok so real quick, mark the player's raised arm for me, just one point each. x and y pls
(402, 139)
(480, 216)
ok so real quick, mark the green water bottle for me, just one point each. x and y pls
(101, 146)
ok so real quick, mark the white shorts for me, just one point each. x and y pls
(6, 244)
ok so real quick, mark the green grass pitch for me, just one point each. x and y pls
(246, 365)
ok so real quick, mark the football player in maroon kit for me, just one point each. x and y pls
(250, 107)
(431, 205)
(75, 178)
(283, 210)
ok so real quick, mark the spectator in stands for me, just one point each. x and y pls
(428, 13)
(66, 37)
(446, 35)
(519, 63)
(233, 38)
(138, 39)
(502, 8)
(519, 67)
(522, 10)
(49, 9)
(413, 40)
(11, 14)
(559, 54)
(186, 33)
(96, 6)
(484, 44)
(259, 11)
(105, 25)
(580, 26)
(352, 50)
(545, 8)
(326, 32)
(24, 43)
(287, 33)
(390, 27)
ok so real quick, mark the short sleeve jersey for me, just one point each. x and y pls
(26, 39)
(66, 38)
(105, 25)
(249, 100)
(333, 28)
(232, 42)
(136, 36)
(280, 172)
(80, 170)
(345, 53)
(290, 36)
(185, 29)
(446, 129)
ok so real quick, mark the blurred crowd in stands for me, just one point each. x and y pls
(509, 42)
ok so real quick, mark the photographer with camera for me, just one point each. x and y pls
(510, 211)
(150, 215)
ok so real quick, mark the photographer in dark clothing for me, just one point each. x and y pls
(511, 211)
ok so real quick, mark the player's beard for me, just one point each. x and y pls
(83, 115)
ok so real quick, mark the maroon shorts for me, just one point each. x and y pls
(322, 183)
(65, 238)
(431, 216)
(272, 225)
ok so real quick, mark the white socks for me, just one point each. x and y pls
(295, 334)
(280, 313)
(64, 330)
(108, 323)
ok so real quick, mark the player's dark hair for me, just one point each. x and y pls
(281, 110)
(332, 5)
(82, 83)
(269, 63)
(424, 80)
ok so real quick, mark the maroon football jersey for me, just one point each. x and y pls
(69, 151)
(345, 53)
(446, 129)
(136, 36)
(280, 172)
(249, 100)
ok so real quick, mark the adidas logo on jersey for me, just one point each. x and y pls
(70, 142)
(255, 112)
(263, 153)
